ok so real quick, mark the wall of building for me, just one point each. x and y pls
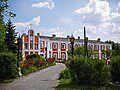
(56, 47)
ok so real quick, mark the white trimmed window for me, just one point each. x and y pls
(63, 56)
(107, 47)
(41, 44)
(55, 45)
(96, 47)
(31, 38)
(63, 45)
(26, 45)
(55, 55)
(36, 46)
(102, 47)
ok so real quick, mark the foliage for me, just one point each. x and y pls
(33, 63)
(2, 35)
(28, 70)
(3, 7)
(65, 84)
(109, 53)
(79, 51)
(89, 71)
(8, 66)
(65, 74)
(115, 68)
(115, 47)
(35, 56)
(11, 37)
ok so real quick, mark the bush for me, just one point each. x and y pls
(34, 62)
(35, 56)
(115, 68)
(8, 66)
(28, 70)
(89, 71)
(65, 74)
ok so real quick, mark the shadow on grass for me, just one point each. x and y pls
(66, 85)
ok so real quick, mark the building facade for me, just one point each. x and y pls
(57, 46)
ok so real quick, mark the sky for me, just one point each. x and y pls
(68, 17)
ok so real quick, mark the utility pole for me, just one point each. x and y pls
(85, 44)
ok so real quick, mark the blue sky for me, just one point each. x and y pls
(65, 17)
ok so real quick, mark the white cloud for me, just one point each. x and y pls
(116, 29)
(118, 5)
(47, 4)
(55, 31)
(35, 21)
(115, 39)
(91, 29)
(96, 11)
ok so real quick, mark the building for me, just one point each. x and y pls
(57, 46)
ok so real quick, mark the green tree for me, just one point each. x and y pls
(3, 7)
(11, 37)
(115, 47)
(79, 51)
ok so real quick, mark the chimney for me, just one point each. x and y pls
(53, 35)
(79, 37)
(98, 39)
(68, 36)
(38, 34)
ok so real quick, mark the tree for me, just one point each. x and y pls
(115, 47)
(79, 51)
(11, 37)
(3, 7)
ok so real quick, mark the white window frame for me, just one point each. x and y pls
(54, 45)
(63, 55)
(41, 44)
(31, 38)
(63, 46)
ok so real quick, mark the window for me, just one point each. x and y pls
(41, 44)
(26, 45)
(49, 54)
(55, 55)
(63, 56)
(69, 46)
(102, 47)
(63, 45)
(36, 46)
(91, 46)
(103, 56)
(107, 47)
(31, 38)
(31, 45)
(96, 47)
(55, 45)
(96, 56)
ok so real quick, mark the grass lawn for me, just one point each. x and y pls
(66, 85)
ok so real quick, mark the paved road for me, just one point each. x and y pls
(45, 79)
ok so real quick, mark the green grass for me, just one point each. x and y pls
(65, 84)
(6, 81)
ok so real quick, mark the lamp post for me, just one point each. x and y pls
(46, 53)
(72, 45)
(19, 40)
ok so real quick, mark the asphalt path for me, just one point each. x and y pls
(46, 79)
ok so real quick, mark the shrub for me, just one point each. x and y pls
(115, 68)
(35, 56)
(65, 74)
(89, 71)
(28, 70)
(8, 66)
